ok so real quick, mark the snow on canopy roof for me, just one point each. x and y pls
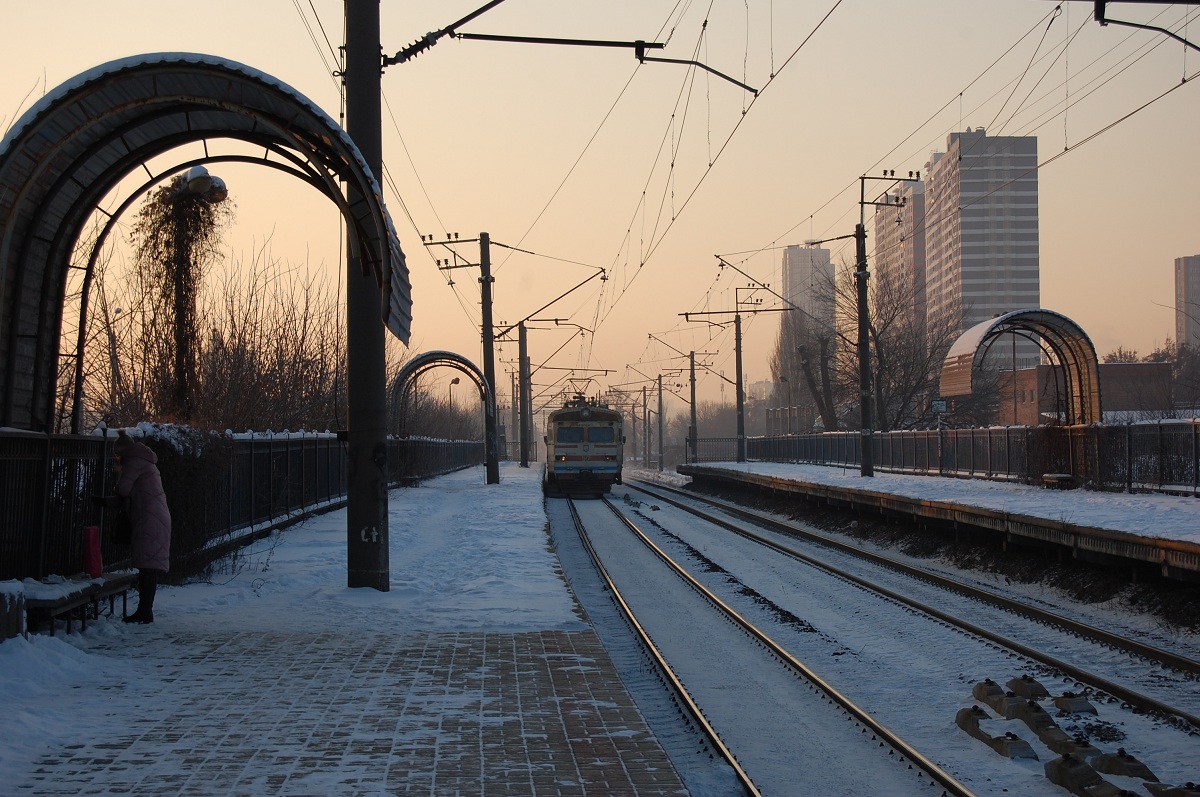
(79, 140)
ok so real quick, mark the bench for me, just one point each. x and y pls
(1059, 481)
(84, 594)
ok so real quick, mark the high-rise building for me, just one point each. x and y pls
(900, 244)
(808, 284)
(1187, 301)
(981, 229)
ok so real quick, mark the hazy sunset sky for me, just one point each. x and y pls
(586, 160)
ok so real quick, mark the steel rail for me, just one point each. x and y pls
(1149, 652)
(951, 786)
(1130, 696)
(673, 680)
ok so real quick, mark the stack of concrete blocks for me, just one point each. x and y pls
(1079, 764)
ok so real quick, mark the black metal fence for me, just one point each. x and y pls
(220, 491)
(1160, 456)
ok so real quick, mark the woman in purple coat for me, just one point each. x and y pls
(140, 482)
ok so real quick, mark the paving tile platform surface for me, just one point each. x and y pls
(321, 713)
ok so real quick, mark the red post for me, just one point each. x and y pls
(92, 561)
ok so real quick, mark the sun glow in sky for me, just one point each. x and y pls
(575, 159)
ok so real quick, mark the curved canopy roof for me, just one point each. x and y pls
(64, 155)
(1055, 333)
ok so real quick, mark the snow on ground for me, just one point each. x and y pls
(463, 556)
(1145, 514)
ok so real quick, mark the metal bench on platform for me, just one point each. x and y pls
(78, 601)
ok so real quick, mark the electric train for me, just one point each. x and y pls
(584, 449)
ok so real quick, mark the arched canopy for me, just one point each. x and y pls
(435, 359)
(80, 140)
(438, 359)
(1058, 335)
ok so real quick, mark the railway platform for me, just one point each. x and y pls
(1140, 531)
(477, 673)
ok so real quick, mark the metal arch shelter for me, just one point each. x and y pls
(82, 139)
(1059, 336)
(435, 359)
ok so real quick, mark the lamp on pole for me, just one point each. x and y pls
(453, 382)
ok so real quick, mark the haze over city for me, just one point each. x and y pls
(577, 158)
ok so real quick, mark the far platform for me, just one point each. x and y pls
(1140, 529)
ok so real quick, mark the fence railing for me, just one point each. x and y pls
(1161, 456)
(219, 490)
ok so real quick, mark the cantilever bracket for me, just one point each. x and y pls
(1103, 20)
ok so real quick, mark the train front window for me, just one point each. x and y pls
(601, 434)
(570, 434)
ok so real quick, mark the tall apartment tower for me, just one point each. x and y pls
(981, 231)
(899, 258)
(807, 283)
(1187, 301)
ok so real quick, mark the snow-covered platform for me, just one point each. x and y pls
(477, 673)
(1140, 529)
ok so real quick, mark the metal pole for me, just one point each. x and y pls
(490, 433)
(514, 431)
(645, 428)
(366, 432)
(523, 380)
(693, 430)
(864, 350)
(741, 396)
(660, 425)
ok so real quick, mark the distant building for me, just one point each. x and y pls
(900, 243)
(807, 283)
(981, 230)
(1128, 392)
(1187, 301)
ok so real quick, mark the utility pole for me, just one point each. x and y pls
(490, 431)
(660, 425)
(515, 431)
(645, 429)
(367, 563)
(737, 351)
(866, 460)
(861, 276)
(491, 401)
(741, 393)
(526, 402)
(693, 430)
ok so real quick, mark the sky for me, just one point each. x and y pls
(576, 159)
(457, 570)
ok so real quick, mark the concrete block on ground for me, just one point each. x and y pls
(1009, 745)
(1028, 687)
(1122, 763)
(991, 694)
(1074, 704)
(1074, 775)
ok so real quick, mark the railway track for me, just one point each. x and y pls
(959, 659)
(857, 735)
(1152, 656)
(681, 499)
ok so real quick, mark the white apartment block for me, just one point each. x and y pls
(1187, 301)
(981, 229)
(808, 282)
(899, 257)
